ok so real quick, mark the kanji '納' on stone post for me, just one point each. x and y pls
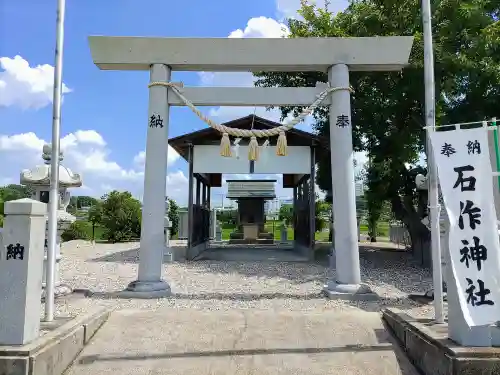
(21, 268)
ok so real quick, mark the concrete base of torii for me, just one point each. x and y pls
(60, 290)
(359, 292)
(146, 290)
(353, 292)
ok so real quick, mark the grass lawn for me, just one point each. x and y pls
(382, 230)
(269, 228)
(87, 226)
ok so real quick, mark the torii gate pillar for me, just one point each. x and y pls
(149, 282)
(348, 276)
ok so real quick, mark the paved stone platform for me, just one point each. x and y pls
(189, 341)
(255, 254)
(430, 349)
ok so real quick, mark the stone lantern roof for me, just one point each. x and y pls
(40, 174)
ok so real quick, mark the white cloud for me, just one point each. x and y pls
(177, 186)
(82, 137)
(24, 86)
(86, 153)
(172, 156)
(261, 27)
(24, 142)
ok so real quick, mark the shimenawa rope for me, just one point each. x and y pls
(253, 134)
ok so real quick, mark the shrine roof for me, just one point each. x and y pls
(209, 136)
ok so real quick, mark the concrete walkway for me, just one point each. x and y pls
(170, 341)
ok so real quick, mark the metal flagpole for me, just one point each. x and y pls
(54, 166)
(430, 122)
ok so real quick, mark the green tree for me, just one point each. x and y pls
(322, 214)
(361, 205)
(76, 231)
(72, 204)
(286, 213)
(10, 193)
(85, 201)
(173, 216)
(77, 202)
(227, 218)
(388, 107)
(374, 208)
(95, 216)
(121, 216)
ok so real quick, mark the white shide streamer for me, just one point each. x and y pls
(264, 151)
(235, 149)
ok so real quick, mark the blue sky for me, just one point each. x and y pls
(104, 113)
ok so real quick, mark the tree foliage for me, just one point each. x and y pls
(227, 218)
(10, 193)
(322, 215)
(94, 216)
(173, 216)
(286, 213)
(121, 217)
(388, 107)
(77, 202)
(76, 231)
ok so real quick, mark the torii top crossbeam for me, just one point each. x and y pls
(387, 53)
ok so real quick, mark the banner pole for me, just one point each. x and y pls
(430, 122)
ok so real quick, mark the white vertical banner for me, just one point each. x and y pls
(465, 176)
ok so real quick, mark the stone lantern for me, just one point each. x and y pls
(38, 179)
(422, 183)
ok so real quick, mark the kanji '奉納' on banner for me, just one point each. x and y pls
(465, 175)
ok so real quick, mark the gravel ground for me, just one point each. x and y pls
(213, 285)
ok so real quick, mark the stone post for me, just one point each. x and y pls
(218, 232)
(21, 265)
(167, 225)
(283, 233)
(348, 277)
(213, 223)
(149, 283)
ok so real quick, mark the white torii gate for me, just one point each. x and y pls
(337, 56)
